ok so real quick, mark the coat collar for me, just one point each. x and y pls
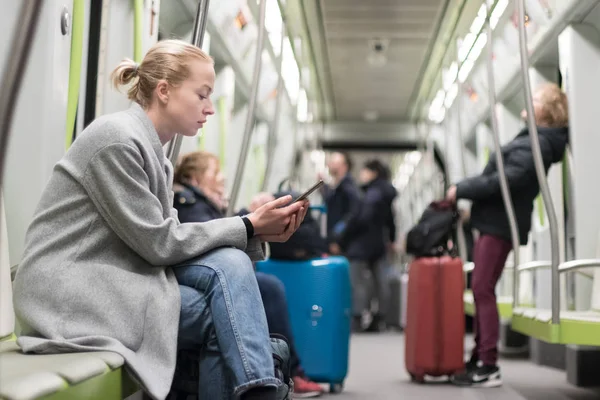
(149, 130)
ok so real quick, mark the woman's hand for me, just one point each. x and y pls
(274, 224)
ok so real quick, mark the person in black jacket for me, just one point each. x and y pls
(341, 198)
(365, 240)
(199, 197)
(489, 217)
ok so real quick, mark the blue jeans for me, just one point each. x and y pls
(223, 326)
(274, 299)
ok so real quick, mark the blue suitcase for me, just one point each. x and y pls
(319, 301)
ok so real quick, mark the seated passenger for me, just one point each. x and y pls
(488, 215)
(198, 198)
(105, 250)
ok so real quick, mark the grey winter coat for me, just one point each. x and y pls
(95, 273)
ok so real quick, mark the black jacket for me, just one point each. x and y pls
(193, 206)
(488, 214)
(372, 225)
(341, 201)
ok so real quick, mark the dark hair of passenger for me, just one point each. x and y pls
(379, 168)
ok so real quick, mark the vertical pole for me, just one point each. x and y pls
(174, 145)
(274, 126)
(249, 127)
(14, 69)
(539, 164)
(505, 188)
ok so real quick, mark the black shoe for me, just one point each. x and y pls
(472, 364)
(281, 359)
(377, 324)
(486, 376)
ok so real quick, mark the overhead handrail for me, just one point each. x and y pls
(249, 127)
(539, 165)
(274, 126)
(504, 187)
(75, 67)
(14, 69)
(174, 145)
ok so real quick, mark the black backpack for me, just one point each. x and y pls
(305, 244)
(430, 236)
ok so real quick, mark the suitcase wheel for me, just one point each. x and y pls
(417, 378)
(336, 387)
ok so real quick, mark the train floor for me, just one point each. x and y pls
(377, 372)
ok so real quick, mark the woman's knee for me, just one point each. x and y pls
(225, 264)
(231, 262)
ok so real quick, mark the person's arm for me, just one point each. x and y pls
(119, 188)
(520, 171)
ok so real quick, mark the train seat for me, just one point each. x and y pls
(92, 375)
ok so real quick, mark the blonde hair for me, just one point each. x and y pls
(193, 165)
(167, 60)
(554, 106)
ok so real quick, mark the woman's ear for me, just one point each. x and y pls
(162, 91)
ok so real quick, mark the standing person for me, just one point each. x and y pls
(341, 198)
(488, 215)
(108, 267)
(365, 241)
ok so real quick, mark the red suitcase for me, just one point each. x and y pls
(435, 327)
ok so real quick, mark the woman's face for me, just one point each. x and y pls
(212, 180)
(538, 107)
(189, 104)
(366, 176)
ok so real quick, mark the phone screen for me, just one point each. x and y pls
(309, 191)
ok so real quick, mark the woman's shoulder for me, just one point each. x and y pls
(109, 129)
(111, 133)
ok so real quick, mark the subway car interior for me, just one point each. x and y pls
(421, 93)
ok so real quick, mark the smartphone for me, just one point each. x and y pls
(304, 195)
